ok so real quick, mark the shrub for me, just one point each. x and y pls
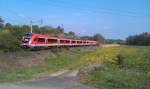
(8, 42)
(120, 60)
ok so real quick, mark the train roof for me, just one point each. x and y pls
(56, 37)
(50, 36)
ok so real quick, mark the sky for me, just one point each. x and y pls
(114, 19)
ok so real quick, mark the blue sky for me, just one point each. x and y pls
(112, 18)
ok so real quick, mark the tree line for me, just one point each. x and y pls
(140, 39)
(114, 41)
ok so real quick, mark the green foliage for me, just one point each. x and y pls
(8, 42)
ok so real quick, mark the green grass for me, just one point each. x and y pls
(132, 73)
(65, 59)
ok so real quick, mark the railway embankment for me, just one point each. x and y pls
(24, 65)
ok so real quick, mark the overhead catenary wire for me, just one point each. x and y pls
(59, 4)
(99, 10)
(10, 19)
(23, 16)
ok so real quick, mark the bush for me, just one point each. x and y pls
(8, 42)
(120, 60)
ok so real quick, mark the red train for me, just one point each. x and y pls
(32, 40)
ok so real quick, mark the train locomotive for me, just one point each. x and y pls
(33, 40)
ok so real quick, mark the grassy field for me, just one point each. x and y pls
(125, 67)
(27, 65)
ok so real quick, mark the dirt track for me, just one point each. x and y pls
(61, 80)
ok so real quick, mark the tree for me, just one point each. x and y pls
(99, 38)
(140, 39)
(114, 41)
(72, 34)
(60, 29)
(8, 26)
(86, 37)
(1, 23)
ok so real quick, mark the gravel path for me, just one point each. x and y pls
(61, 80)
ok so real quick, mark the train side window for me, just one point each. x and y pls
(67, 41)
(52, 40)
(73, 42)
(61, 41)
(41, 40)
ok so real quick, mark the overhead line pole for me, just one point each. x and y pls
(31, 30)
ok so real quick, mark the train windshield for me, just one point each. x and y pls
(26, 38)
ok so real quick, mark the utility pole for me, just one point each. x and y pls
(62, 26)
(41, 21)
(31, 26)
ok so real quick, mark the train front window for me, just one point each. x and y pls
(26, 38)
